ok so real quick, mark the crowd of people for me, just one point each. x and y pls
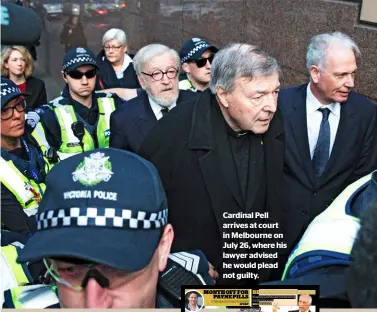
(140, 156)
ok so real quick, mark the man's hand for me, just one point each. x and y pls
(275, 307)
(213, 273)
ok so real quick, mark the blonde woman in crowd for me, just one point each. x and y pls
(17, 65)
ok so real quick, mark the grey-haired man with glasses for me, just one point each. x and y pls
(157, 68)
(223, 155)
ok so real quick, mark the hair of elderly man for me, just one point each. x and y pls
(145, 54)
(240, 60)
(310, 297)
(115, 34)
(319, 46)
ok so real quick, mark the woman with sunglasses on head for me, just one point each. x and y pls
(17, 65)
(196, 58)
(22, 165)
(116, 69)
(79, 120)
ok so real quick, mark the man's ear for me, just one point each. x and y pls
(125, 48)
(141, 81)
(186, 68)
(222, 97)
(315, 73)
(164, 246)
(64, 75)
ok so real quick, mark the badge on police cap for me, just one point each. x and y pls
(80, 50)
(93, 170)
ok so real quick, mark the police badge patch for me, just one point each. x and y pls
(93, 170)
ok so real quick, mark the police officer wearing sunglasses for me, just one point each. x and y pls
(103, 236)
(78, 120)
(22, 165)
(196, 58)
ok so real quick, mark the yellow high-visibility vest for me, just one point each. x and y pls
(330, 234)
(70, 143)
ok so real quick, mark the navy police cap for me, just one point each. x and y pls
(194, 48)
(76, 57)
(107, 206)
(8, 91)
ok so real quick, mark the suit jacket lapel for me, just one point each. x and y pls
(225, 155)
(201, 139)
(298, 122)
(255, 169)
(342, 142)
(273, 143)
(145, 118)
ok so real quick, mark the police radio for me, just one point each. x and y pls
(171, 280)
(79, 132)
(52, 155)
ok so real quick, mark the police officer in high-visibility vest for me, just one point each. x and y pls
(14, 274)
(330, 236)
(323, 254)
(104, 238)
(79, 119)
(23, 167)
(196, 57)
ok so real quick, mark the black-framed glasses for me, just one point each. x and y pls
(7, 112)
(75, 74)
(201, 62)
(109, 48)
(159, 74)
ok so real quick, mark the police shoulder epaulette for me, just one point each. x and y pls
(59, 101)
(102, 93)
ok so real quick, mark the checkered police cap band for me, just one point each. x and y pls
(9, 90)
(82, 59)
(193, 51)
(101, 217)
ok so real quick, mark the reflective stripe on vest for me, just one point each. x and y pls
(333, 231)
(70, 143)
(186, 85)
(40, 136)
(10, 255)
(32, 297)
(26, 191)
(106, 106)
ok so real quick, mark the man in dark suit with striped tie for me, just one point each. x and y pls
(330, 133)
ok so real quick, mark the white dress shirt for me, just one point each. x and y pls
(314, 119)
(157, 108)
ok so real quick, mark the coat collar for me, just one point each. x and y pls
(201, 132)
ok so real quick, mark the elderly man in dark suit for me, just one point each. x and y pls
(222, 156)
(304, 302)
(329, 131)
(157, 68)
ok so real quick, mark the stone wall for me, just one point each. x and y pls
(282, 27)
